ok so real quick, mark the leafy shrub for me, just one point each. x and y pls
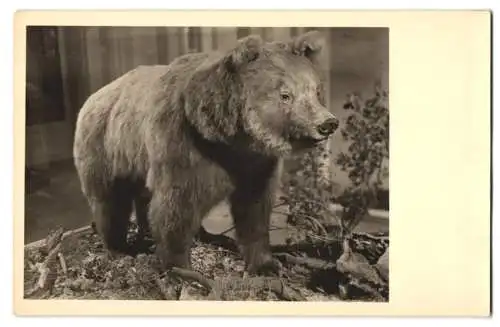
(367, 131)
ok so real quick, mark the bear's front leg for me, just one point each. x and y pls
(173, 225)
(251, 213)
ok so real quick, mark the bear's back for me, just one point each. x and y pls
(146, 82)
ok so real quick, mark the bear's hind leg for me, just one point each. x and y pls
(112, 215)
(141, 207)
(173, 224)
(141, 203)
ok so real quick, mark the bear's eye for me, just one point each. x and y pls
(285, 97)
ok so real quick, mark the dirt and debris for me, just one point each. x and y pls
(76, 266)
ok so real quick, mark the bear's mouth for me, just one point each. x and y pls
(306, 141)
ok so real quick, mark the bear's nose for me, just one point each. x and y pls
(328, 127)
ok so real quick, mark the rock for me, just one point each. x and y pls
(383, 265)
(191, 293)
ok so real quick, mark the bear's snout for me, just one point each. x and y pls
(328, 127)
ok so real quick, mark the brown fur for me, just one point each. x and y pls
(175, 140)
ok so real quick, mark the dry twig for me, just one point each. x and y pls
(311, 263)
(48, 270)
(62, 261)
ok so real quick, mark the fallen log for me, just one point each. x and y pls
(217, 287)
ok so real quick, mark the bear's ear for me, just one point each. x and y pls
(308, 44)
(247, 50)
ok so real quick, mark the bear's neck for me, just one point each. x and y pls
(233, 157)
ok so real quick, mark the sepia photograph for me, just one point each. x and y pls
(207, 163)
(238, 163)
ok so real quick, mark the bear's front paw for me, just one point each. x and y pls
(269, 267)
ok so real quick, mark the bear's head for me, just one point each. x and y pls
(267, 96)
